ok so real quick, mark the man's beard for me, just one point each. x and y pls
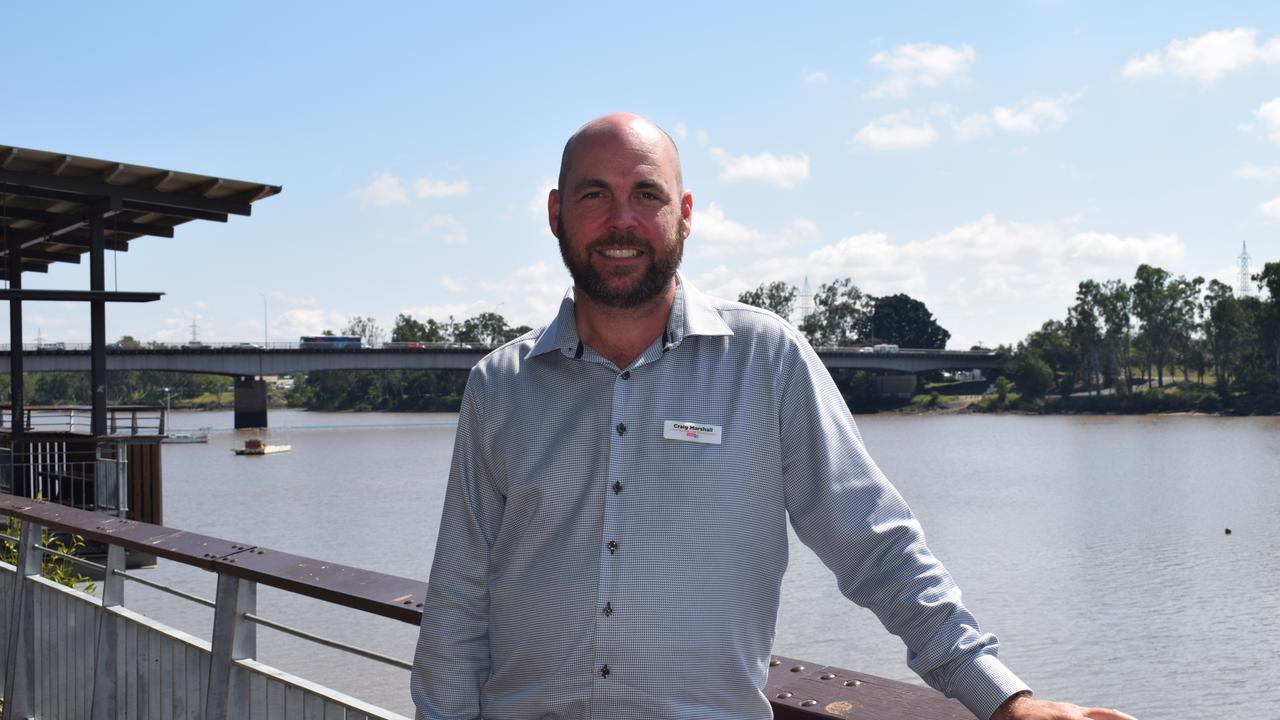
(587, 278)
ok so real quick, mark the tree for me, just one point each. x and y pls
(1052, 344)
(1031, 375)
(1158, 305)
(1112, 300)
(777, 296)
(1086, 335)
(487, 328)
(370, 332)
(841, 314)
(1269, 279)
(902, 320)
(407, 329)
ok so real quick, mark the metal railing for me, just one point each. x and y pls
(53, 471)
(228, 680)
(122, 420)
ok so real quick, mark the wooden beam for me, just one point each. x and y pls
(78, 295)
(98, 189)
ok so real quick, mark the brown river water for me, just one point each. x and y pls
(1094, 547)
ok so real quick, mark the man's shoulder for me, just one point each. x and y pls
(751, 321)
(506, 359)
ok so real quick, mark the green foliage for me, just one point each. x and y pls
(903, 320)
(370, 332)
(841, 314)
(1002, 390)
(55, 568)
(778, 297)
(1031, 375)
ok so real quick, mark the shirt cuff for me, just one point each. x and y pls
(983, 684)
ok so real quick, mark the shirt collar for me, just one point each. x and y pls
(692, 313)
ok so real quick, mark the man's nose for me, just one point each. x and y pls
(622, 215)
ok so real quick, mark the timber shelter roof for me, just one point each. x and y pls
(49, 200)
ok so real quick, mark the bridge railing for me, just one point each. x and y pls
(69, 654)
(122, 420)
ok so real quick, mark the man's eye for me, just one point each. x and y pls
(592, 195)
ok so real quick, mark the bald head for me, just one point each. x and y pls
(627, 126)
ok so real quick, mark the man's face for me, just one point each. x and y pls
(621, 216)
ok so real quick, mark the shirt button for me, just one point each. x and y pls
(604, 671)
(617, 487)
(622, 428)
(613, 546)
(608, 609)
(626, 375)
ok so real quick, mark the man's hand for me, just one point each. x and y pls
(1025, 707)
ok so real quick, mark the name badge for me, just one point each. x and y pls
(691, 432)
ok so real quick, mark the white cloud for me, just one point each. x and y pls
(920, 65)
(1206, 58)
(447, 228)
(1091, 249)
(1270, 208)
(702, 137)
(899, 131)
(1269, 114)
(715, 235)
(989, 279)
(296, 322)
(680, 130)
(528, 295)
(784, 171)
(1034, 116)
(816, 78)
(428, 188)
(972, 126)
(1250, 171)
(386, 190)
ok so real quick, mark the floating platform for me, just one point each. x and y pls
(258, 447)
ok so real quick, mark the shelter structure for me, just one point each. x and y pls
(57, 208)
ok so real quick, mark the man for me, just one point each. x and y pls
(614, 533)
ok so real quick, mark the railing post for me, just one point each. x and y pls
(107, 656)
(234, 638)
(19, 672)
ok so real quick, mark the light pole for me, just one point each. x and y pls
(166, 406)
(264, 320)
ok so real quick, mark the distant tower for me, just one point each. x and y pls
(804, 301)
(194, 337)
(1244, 289)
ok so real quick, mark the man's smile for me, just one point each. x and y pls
(620, 253)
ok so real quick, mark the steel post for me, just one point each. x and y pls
(107, 655)
(231, 641)
(19, 672)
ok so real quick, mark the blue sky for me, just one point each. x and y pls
(983, 159)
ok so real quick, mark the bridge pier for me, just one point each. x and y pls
(250, 403)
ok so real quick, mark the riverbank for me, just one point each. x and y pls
(1172, 400)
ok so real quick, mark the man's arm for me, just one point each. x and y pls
(451, 663)
(1022, 706)
(843, 507)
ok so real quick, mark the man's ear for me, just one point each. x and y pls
(686, 215)
(553, 211)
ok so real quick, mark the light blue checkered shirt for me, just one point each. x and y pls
(590, 567)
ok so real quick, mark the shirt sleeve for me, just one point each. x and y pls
(842, 506)
(451, 663)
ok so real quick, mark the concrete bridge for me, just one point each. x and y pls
(249, 363)
(254, 360)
